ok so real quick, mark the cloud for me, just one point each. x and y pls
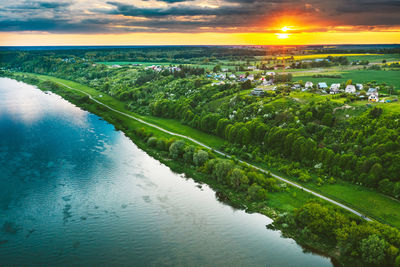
(96, 16)
(29, 5)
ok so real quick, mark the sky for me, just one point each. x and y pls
(191, 22)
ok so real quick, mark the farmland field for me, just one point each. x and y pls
(390, 77)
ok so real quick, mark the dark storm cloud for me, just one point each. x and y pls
(189, 16)
(171, 1)
(29, 5)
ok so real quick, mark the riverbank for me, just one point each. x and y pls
(275, 206)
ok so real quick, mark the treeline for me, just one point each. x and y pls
(362, 150)
(357, 244)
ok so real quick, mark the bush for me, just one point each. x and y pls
(200, 157)
(152, 142)
(162, 145)
(188, 154)
(256, 192)
(176, 149)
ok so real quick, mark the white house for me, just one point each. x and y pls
(308, 85)
(372, 91)
(232, 76)
(350, 89)
(250, 77)
(270, 73)
(296, 86)
(322, 86)
(359, 86)
(335, 86)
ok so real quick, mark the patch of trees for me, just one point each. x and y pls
(358, 243)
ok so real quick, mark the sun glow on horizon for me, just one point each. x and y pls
(282, 35)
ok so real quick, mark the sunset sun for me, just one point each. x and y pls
(283, 34)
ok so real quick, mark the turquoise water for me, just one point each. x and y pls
(73, 191)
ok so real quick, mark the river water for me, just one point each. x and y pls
(73, 191)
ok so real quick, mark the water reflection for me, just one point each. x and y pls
(21, 103)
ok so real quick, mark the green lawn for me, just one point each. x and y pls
(371, 203)
(380, 207)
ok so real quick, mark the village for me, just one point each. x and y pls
(262, 81)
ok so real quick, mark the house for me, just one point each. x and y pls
(251, 67)
(257, 92)
(232, 76)
(308, 85)
(250, 77)
(373, 98)
(296, 86)
(224, 69)
(350, 89)
(335, 87)
(372, 91)
(359, 86)
(270, 73)
(217, 83)
(322, 86)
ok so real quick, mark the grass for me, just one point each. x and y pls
(373, 58)
(367, 201)
(390, 77)
(121, 63)
(371, 203)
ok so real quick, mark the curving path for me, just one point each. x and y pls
(222, 153)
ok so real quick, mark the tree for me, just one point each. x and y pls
(349, 82)
(188, 153)
(243, 137)
(200, 157)
(256, 192)
(327, 119)
(176, 149)
(152, 142)
(217, 68)
(246, 85)
(373, 249)
(222, 168)
(238, 177)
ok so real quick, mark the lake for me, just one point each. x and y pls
(73, 191)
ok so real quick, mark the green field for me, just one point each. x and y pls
(122, 63)
(372, 58)
(390, 77)
(373, 204)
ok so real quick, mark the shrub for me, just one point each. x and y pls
(188, 153)
(152, 142)
(200, 157)
(176, 149)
